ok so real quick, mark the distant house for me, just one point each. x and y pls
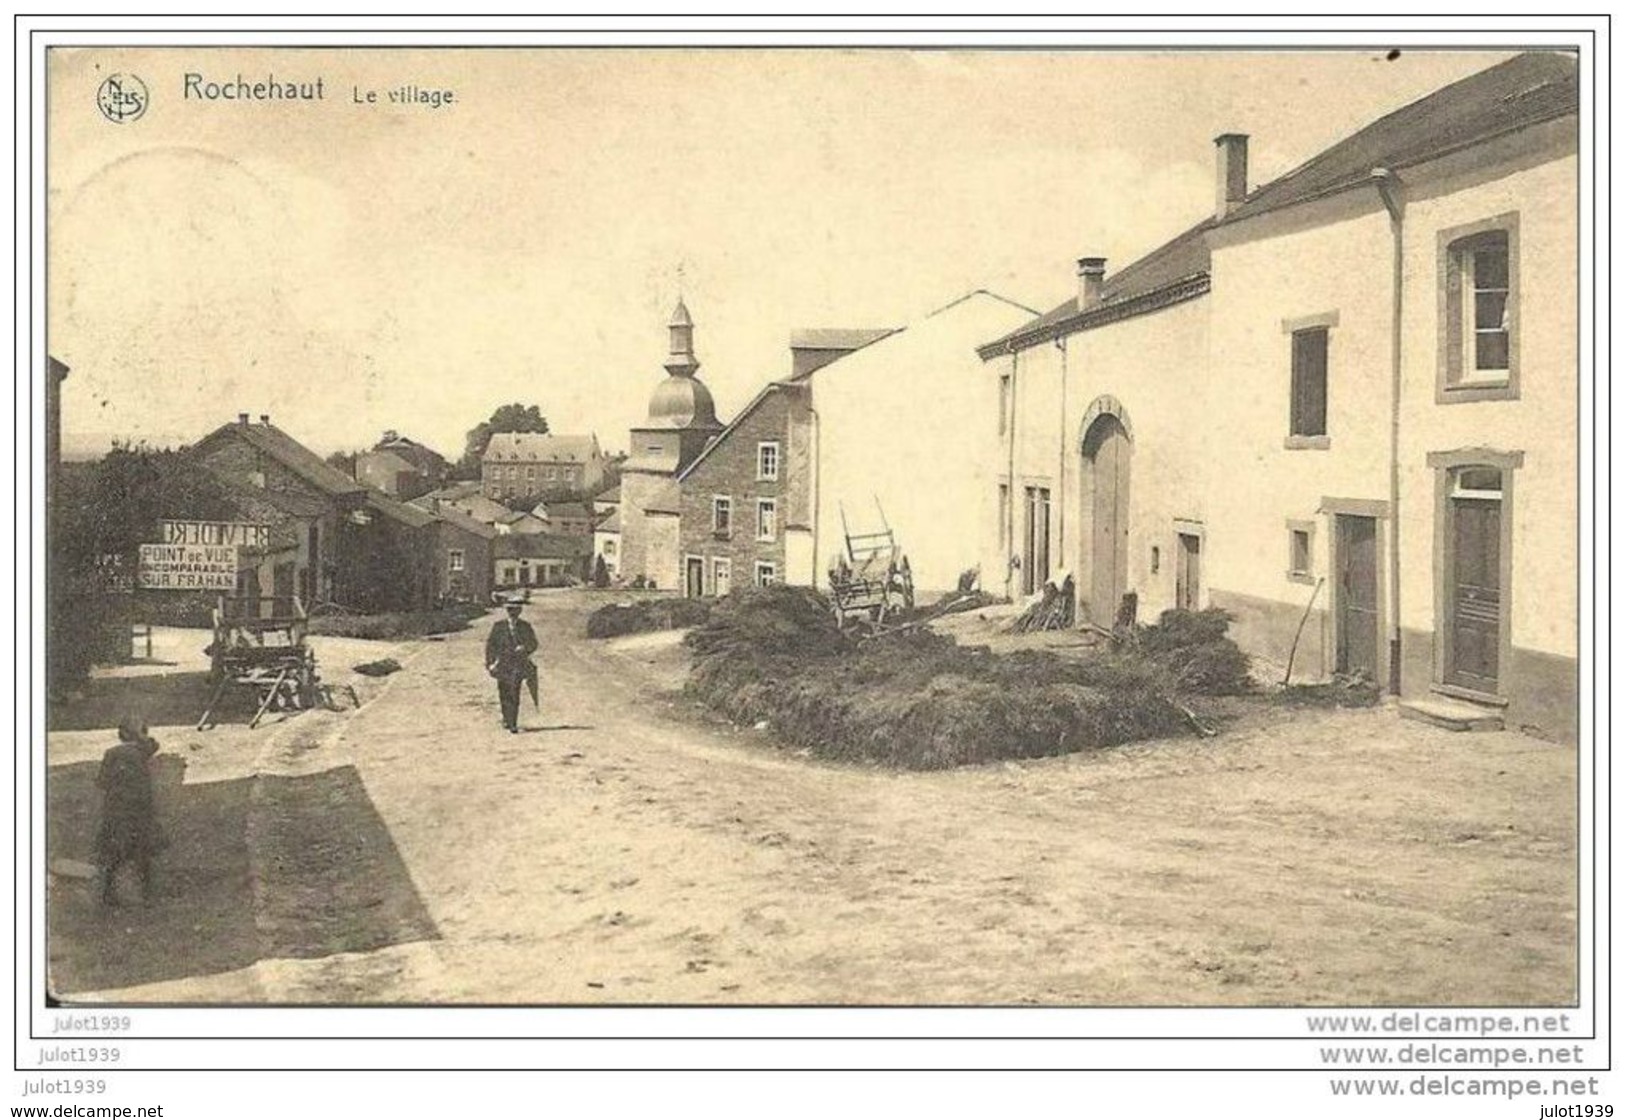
(573, 519)
(462, 557)
(400, 467)
(305, 496)
(333, 539)
(524, 560)
(521, 522)
(746, 500)
(606, 543)
(529, 464)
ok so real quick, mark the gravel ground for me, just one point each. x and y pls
(626, 849)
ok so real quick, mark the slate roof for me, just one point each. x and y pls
(610, 524)
(457, 519)
(837, 338)
(546, 546)
(406, 514)
(535, 447)
(1522, 91)
(298, 458)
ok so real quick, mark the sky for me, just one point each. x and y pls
(348, 268)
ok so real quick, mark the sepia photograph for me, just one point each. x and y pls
(855, 540)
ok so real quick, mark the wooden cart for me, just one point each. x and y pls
(871, 579)
(259, 644)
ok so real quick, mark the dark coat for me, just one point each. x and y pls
(129, 824)
(508, 650)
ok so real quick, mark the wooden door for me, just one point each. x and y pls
(1188, 573)
(1357, 596)
(1035, 541)
(1475, 595)
(1107, 450)
(694, 582)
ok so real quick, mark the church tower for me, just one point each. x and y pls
(682, 419)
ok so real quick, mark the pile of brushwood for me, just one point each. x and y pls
(1191, 648)
(643, 615)
(915, 699)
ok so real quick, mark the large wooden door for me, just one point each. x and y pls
(1357, 596)
(1475, 595)
(1106, 452)
(1188, 573)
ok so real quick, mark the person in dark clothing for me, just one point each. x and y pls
(507, 658)
(129, 831)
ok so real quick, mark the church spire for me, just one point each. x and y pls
(681, 362)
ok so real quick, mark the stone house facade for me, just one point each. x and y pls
(746, 501)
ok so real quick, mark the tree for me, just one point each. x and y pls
(343, 461)
(508, 418)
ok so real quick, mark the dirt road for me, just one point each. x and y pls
(621, 850)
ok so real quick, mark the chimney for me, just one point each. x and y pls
(390, 435)
(242, 419)
(1232, 167)
(265, 418)
(1091, 274)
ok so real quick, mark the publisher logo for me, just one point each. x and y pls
(122, 98)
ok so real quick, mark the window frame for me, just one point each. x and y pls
(1456, 383)
(762, 447)
(772, 532)
(1306, 574)
(1323, 324)
(722, 503)
(456, 560)
(772, 572)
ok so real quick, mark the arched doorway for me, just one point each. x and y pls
(1103, 543)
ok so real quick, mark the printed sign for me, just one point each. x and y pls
(188, 567)
(215, 533)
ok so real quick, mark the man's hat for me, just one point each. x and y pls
(513, 601)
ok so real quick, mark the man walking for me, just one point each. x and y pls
(507, 658)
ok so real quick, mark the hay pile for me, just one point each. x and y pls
(1191, 647)
(617, 619)
(914, 699)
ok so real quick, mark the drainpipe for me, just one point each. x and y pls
(1387, 185)
(1060, 531)
(1010, 486)
(817, 484)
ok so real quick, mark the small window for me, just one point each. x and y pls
(1309, 382)
(767, 461)
(1156, 559)
(1004, 403)
(722, 516)
(530, 473)
(767, 519)
(455, 559)
(609, 548)
(1300, 551)
(1483, 483)
(766, 573)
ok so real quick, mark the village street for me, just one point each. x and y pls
(623, 849)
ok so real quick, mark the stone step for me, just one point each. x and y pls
(1452, 715)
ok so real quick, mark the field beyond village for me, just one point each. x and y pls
(636, 845)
